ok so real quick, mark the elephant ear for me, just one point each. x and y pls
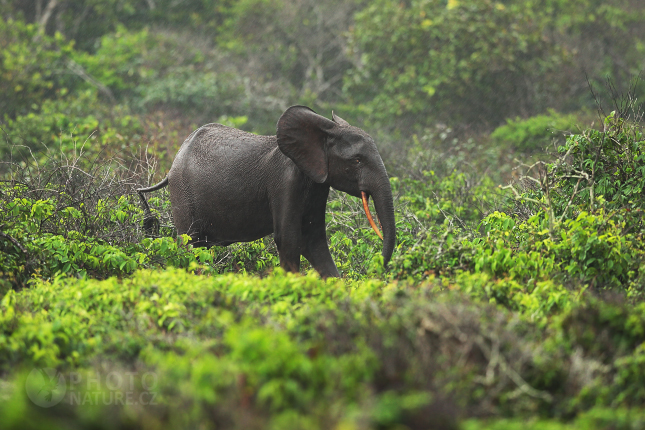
(302, 136)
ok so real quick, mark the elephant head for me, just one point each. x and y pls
(342, 156)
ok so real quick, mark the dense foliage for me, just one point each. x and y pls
(403, 66)
(524, 300)
(297, 352)
(514, 298)
(480, 61)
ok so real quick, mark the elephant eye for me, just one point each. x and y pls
(357, 160)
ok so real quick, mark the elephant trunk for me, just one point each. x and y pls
(382, 195)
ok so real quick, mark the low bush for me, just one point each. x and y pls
(63, 126)
(537, 133)
(576, 220)
(239, 351)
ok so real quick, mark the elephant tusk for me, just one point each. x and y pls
(369, 215)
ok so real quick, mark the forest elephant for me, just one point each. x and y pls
(227, 185)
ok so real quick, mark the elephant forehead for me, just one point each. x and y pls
(354, 133)
(355, 140)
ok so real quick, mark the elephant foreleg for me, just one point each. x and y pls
(289, 260)
(316, 251)
(288, 242)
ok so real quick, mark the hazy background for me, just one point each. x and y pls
(423, 77)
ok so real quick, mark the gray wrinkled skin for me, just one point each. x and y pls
(228, 186)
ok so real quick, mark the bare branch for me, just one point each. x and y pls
(47, 13)
(80, 71)
(15, 242)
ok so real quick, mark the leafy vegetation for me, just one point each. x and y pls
(286, 350)
(533, 134)
(478, 62)
(535, 311)
(515, 294)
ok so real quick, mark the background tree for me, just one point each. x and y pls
(400, 68)
(474, 63)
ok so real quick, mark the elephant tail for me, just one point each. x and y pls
(150, 222)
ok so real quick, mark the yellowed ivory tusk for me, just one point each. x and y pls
(369, 215)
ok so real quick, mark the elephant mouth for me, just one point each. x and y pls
(366, 207)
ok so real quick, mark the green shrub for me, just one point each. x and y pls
(152, 71)
(300, 350)
(578, 221)
(613, 163)
(65, 127)
(536, 133)
(28, 249)
(599, 418)
(589, 249)
(32, 68)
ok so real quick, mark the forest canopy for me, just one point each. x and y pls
(401, 66)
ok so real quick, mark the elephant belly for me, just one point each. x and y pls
(220, 214)
(226, 221)
(216, 219)
(219, 186)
